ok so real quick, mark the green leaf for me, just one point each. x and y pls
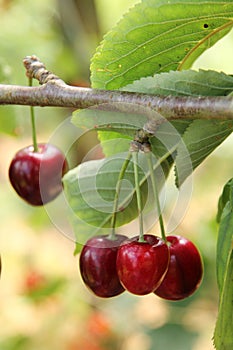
(226, 196)
(159, 36)
(116, 120)
(115, 142)
(118, 128)
(201, 138)
(223, 336)
(186, 83)
(225, 236)
(224, 244)
(90, 190)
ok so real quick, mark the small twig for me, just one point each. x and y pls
(54, 92)
(35, 69)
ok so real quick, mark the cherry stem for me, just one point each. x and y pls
(112, 236)
(32, 113)
(138, 194)
(156, 195)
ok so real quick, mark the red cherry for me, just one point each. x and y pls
(184, 272)
(98, 265)
(36, 176)
(141, 266)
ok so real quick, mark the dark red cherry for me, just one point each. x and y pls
(184, 272)
(37, 176)
(141, 266)
(98, 265)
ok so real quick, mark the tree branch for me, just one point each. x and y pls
(54, 92)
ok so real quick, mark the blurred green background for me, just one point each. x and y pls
(43, 302)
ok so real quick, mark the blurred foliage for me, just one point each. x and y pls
(60, 313)
(16, 342)
(164, 337)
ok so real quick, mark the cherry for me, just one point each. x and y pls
(36, 176)
(141, 266)
(184, 272)
(98, 265)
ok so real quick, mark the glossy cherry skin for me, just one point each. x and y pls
(141, 266)
(37, 176)
(98, 265)
(185, 270)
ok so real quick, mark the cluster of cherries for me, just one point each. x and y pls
(171, 266)
(172, 270)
